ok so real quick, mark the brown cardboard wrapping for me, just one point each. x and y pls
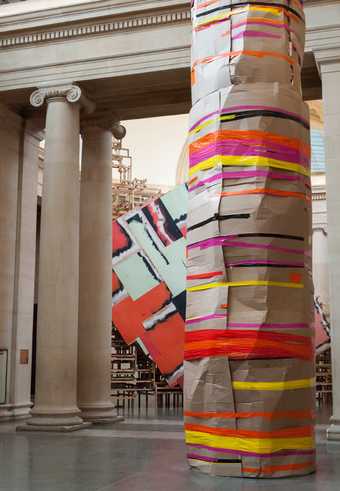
(249, 369)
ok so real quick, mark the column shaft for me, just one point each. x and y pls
(10, 141)
(331, 100)
(95, 276)
(56, 380)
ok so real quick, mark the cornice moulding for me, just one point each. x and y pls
(77, 12)
(96, 17)
(96, 68)
(97, 28)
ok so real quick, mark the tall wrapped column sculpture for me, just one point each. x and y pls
(249, 369)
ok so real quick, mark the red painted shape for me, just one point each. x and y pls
(165, 342)
(120, 239)
(128, 315)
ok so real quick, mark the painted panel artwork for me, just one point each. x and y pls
(149, 280)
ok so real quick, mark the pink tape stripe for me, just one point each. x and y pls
(255, 34)
(250, 148)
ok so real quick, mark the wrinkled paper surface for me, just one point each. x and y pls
(249, 353)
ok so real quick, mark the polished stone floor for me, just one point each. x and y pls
(144, 453)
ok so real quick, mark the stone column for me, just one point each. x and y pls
(95, 276)
(19, 142)
(57, 337)
(22, 328)
(10, 140)
(330, 72)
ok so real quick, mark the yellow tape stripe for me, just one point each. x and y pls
(247, 161)
(226, 117)
(259, 445)
(208, 286)
(204, 125)
(275, 386)
(226, 15)
(223, 15)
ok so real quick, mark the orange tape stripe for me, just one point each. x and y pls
(307, 414)
(277, 468)
(270, 192)
(247, 345)
(265, 138)
(204, 276)
(284, 433)
(215, 343)
(206, 4)
(264, 20)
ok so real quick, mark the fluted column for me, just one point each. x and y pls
(95, 276)
(330, 73)
(57, 337)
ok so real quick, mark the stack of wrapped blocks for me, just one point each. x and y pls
(249, 352)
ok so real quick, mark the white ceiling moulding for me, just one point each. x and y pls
(33, 14)
(111, 26)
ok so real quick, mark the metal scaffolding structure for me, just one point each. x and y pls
(127, 192)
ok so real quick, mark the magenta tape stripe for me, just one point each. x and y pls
(250, 143)
(221, 241)
(205, 318)
(248, 173)
(203, 119)
(250, 148)
(288, 159)
(253, 454)
(236, 147)
(246, 108)
(255, 34)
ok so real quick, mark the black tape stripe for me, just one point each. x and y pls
(243, 4)
(258, 113)
(273, 236)
(220, 218)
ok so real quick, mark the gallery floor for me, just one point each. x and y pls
(144, 453)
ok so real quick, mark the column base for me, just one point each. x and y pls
(99, 413)
(14, 412)
(54, 419)
(53, 428)
(333, 432)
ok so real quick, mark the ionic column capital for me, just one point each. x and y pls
(97, 124)
(72, 94)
